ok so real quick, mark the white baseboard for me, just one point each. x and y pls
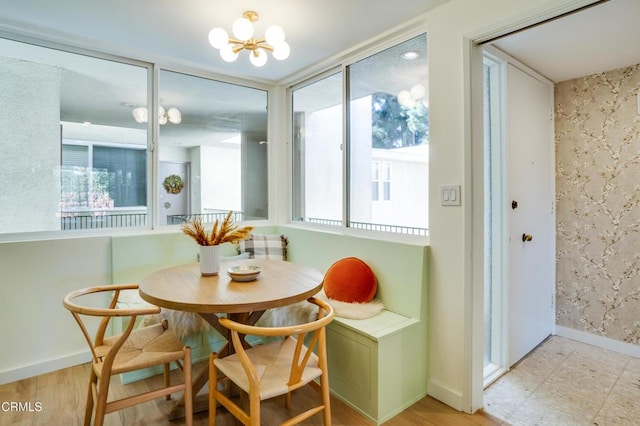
(9, 376)
(444, 394)
(599, 341)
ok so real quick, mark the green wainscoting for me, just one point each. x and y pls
(377, 365)
(401, 268)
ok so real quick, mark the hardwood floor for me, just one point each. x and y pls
(58, 398)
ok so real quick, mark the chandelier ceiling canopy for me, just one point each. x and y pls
(242, 28)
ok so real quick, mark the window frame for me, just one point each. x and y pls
(152, 71)
(342, 65)
(272, 103)
(68, 48)
(291, 155)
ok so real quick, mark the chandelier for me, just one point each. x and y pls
(172, 115)
(410, 98)
(242, 28)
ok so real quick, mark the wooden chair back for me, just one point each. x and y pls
(310, 341)
(165, 348)
(79, 310)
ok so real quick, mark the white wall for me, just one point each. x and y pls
(408, 165)
(254, 176)
(175, 154)
(455, 291)
(38, 333)
(196, 182)
(101, 133)
(221, 176)
(323, 155)
(360, 172)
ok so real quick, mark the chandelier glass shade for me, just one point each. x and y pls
(410, 98)
(172, 115)
(243, 31)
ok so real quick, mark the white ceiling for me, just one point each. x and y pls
(175, 31)
(606, 36)
(600, 38)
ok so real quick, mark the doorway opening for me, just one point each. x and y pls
(519, 211)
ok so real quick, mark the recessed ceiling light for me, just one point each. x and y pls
(410, 54)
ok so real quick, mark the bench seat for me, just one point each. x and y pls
(374, 365)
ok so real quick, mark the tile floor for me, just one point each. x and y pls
(564, 383)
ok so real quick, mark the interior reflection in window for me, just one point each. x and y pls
(213, 157)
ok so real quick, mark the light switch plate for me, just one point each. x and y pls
(450, 195)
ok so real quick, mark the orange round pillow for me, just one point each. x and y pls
(350, 280)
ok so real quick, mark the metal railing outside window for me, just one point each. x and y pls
(102, 219)
(177, 219)
(406, 230)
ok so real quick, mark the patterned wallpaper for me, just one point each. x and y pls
(598, 204)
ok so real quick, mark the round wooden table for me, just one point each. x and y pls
(182, 288)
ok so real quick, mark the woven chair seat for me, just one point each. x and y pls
(145, 347)
(272, 363)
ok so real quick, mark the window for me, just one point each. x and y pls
(218, 150)
(102, 177)
(495, 356)
(387, 128)
(317, 151)
(73, 144)
(375, 178)
(123, 171)
(51, 181)
(381, 182)
(102, 186)
(386, 181)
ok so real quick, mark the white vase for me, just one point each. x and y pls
(209, 260)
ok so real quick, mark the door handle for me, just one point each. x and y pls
(526, 237)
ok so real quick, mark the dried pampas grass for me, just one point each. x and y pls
(225, 232)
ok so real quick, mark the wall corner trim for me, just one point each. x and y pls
(444, 394)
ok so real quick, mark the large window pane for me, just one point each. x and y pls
(61, 106)
(213, 143)
(102, 177)
(389, 133)
(317, 151)
(124, 172)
